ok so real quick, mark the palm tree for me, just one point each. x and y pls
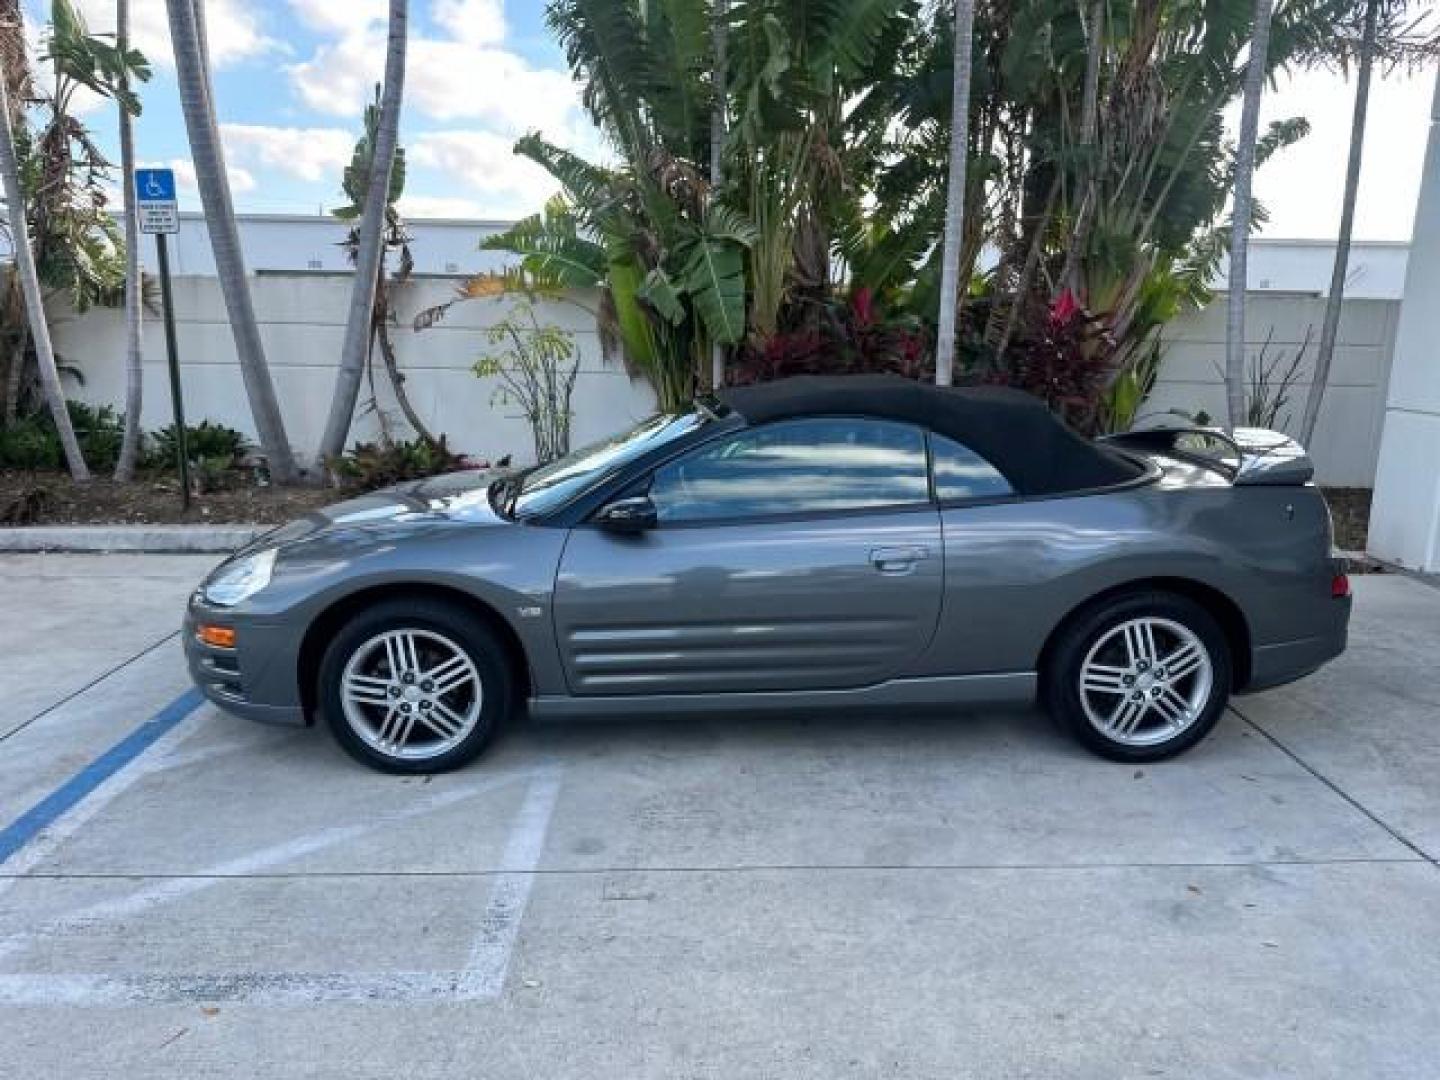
(370, 245)
(950, 284)
(1391, 34)
(30, 286)
(1242, 212)
(719, 34)
(134, 301)
(192, 73)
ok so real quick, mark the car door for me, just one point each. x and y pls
(799, 555)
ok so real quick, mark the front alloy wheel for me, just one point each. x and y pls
(414, 687)
(411, 693)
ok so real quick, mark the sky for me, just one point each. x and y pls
(293, 76)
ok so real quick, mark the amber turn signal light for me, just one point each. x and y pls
(219, 637)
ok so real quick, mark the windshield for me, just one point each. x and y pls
(550, 486)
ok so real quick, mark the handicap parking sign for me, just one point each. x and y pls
(155, 200)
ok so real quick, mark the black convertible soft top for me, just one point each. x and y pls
(1012, 430)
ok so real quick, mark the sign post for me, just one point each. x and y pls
(159, 216)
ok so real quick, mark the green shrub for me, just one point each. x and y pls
(217, 445)
(367, 466)
(33, 443)
(100, 430)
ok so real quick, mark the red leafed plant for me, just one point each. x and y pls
(845, 339)
(1065, 359)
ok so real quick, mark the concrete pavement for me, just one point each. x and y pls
(911, 896)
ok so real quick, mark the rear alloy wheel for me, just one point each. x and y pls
(414, 687)
(1140, 678)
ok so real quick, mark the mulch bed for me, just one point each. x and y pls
(28, 498)
(1350, 507)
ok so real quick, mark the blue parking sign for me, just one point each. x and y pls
(155, 185)
(155, 201)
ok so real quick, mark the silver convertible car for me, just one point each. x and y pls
(812, 543)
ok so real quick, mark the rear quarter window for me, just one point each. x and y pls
(961, 473)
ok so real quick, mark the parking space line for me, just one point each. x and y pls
(50, 809)
(482, 978)
(495, 942)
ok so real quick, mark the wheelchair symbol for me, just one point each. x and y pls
(153, 187)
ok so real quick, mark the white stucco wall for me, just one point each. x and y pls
(302, 326)
(1347, 436)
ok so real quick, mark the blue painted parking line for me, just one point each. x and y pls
(49, 809)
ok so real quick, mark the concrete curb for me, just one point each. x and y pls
(183, 539)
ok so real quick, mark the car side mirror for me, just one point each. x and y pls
(632, 515)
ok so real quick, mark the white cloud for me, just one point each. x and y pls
(311, 154)
(241, 180)
(484, 162)
(233, 29)
(444, 80)
(340, 16)
(475, 22)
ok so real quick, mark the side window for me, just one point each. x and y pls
(960, 473)
(795, 467)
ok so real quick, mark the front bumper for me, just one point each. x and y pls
(258, 679)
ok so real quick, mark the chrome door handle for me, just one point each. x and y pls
(896, 560)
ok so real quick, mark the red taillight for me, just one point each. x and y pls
(1340, 586)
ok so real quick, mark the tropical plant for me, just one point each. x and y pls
(197, 101)
(395, 239)
(1240, 214)
(205, 441)
(34, 443)
(25, 271)
(537, 369)
(369, 465)
(377, 152)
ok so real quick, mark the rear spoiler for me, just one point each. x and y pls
(1247, 456)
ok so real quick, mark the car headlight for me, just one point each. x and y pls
(240, 580)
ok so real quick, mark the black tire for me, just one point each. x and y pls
(454, 626)
(1061, 693)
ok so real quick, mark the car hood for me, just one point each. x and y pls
(452, 498)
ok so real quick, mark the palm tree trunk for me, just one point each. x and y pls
(1336, 296)
(371, 242)
(1070, 274)
(197, 103)
(134, 303)
(720, 39)
(1240, 221)
(950, 284)
(30, 284)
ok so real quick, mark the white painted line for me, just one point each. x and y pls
(495, 942)
(277, 854)
(482, 979)
(86, 989)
